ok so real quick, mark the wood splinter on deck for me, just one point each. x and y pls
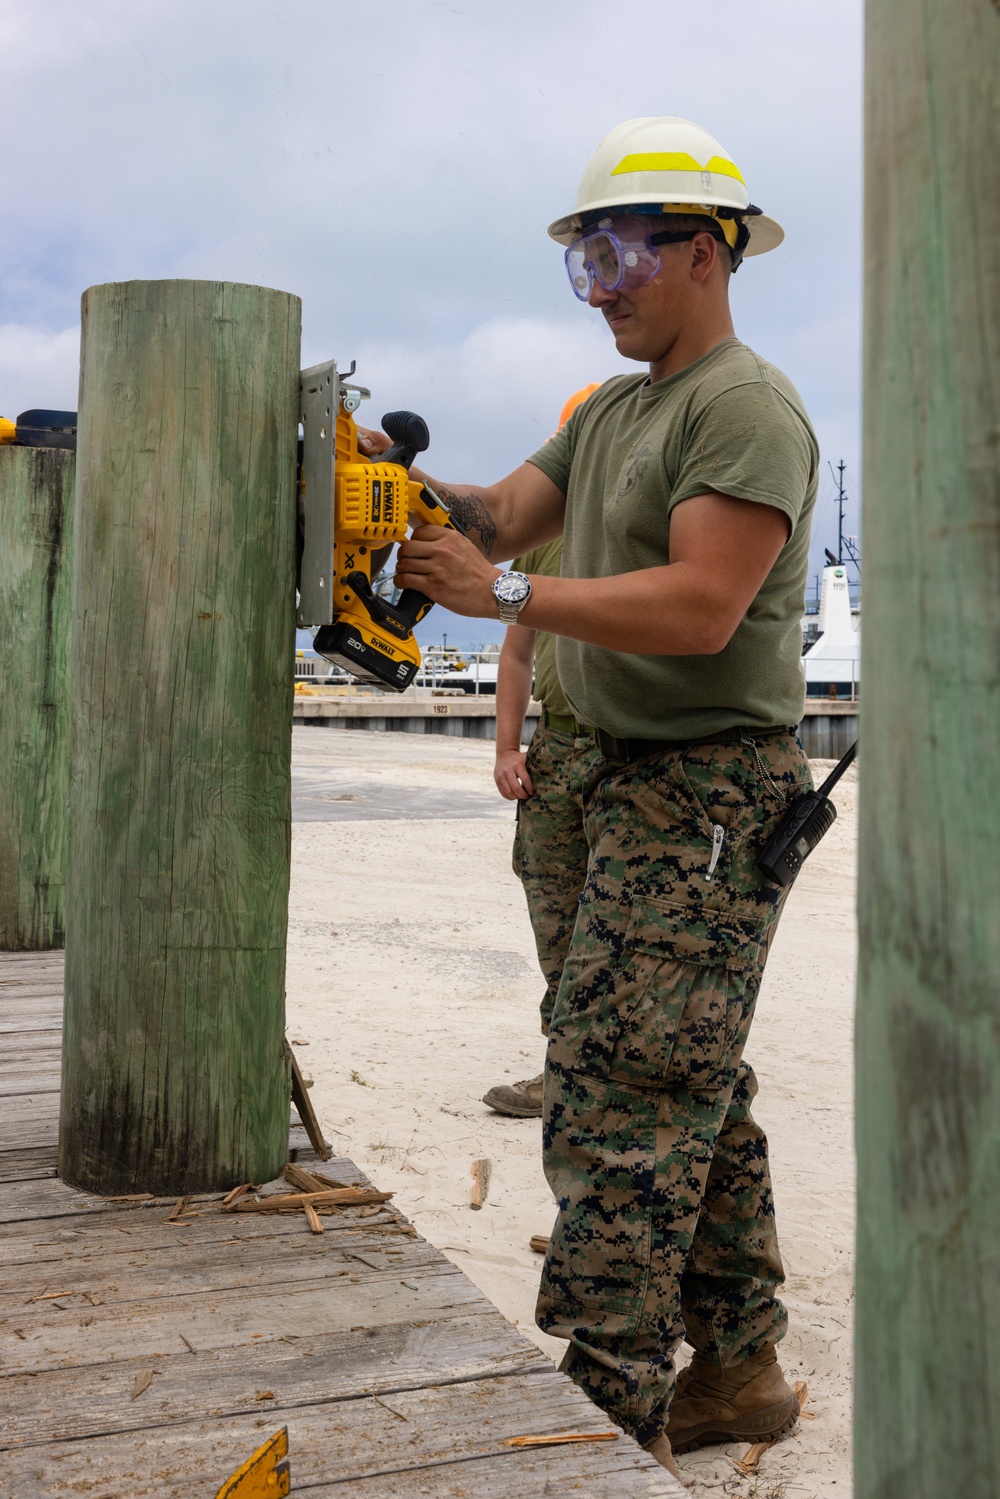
(312, 1218)
(294, 1202)
(481, 1171)
(556, 1438)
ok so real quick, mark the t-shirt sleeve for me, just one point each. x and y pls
(751, 444)
(555, 457)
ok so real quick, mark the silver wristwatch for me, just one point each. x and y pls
(511, 591)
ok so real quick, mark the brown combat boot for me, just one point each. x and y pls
(519, 1100)
(748, 1402)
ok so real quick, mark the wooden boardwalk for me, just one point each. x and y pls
(142, 1357)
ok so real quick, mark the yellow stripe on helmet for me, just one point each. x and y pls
(675, 161)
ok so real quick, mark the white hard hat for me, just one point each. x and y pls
(667, 165)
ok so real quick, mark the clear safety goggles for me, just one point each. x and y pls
(620, 253)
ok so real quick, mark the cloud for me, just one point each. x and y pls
(395, 164)
(493, 396)
(38, 368)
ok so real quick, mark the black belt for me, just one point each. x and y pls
(627, 750)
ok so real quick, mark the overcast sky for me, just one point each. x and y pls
(395, 163)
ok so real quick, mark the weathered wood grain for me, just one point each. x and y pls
(140, 1228)
(28, 1163)
(60, 1336)
(236, 1324)
(927, 1393)
(181, 737)
(28, 1120)
(36, 549)
(125, 1273)
(403, 1434)
(223, 1382)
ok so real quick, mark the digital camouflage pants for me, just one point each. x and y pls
(550, 847)
(665, 1228)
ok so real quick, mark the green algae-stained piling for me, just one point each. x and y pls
(928, 1306)
(36, 519)
(174, 1075)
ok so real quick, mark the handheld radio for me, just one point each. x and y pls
(808, 819)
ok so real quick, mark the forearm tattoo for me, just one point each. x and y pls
(470, 514)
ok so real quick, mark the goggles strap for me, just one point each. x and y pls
(677, 236)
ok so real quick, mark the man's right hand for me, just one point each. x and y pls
(372, 442)
(511, 775)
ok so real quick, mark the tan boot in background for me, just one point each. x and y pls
(748, 1402)
(661, 1450)
(519, 1100)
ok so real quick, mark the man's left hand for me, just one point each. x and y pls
(449, 569)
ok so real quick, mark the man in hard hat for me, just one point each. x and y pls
(684, 499)
(550, 842)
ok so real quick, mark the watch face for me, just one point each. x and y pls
(512, 588)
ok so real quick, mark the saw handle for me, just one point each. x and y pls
(409, 434)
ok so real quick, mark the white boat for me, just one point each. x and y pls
(832, 659)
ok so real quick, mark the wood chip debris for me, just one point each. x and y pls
(323, 1202)
(236, 1193)
(51, 1296)
(328, 1181)
(749, 1463)
(305, 1181)
(554, 1439)
(313, 1219)
(387, 1407)
(177, 1209)
(482, 1170)
(143, 1382)
(539, 1243)
(802, 1395)
(264, 1395)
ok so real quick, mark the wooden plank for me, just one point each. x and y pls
(123, 1273)
(40, 1241)
(29, 1007)
(23, 1209)
(53, 1334)
(181, 806)
(34, 1051)
(23, 1120)
(226, 1381)
(16, 961)
(621, 1472)
(29, 1162)
(463, 1426)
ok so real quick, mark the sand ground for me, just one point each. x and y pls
(413, 987)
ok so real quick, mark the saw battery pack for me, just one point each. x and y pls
(808, 819)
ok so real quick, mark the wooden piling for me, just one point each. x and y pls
(174, 1073)
(36, 518)
(927, 1400)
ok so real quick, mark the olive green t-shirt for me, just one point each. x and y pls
(545, 562)
(732, 423)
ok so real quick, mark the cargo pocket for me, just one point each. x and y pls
(676, 1001)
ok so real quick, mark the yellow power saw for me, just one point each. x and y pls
(352, 510)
